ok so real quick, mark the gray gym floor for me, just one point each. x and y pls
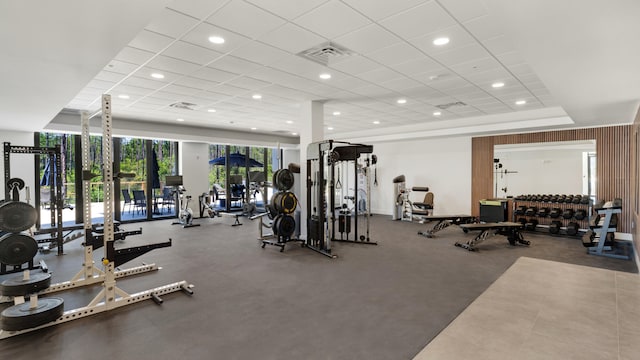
(373, 302)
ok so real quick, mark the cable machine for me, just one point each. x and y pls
(336, 201)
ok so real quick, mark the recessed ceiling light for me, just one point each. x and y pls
(180, 119)
(441, 41)
(437, 113)
(336, 113)
(157, 76)
(376, 122)
(402, 101)
(329, 128)
(289, 122)
(211, 110)
(497, 85)
(257, 96)
(294, 133)
(521, 102)
(325, 76)
(123, 96)
(216, 39)
(254, 128)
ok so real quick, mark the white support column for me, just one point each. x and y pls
(311, 130)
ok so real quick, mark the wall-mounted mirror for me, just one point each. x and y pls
(566, 167)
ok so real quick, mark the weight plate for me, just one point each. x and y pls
(283, 179)
(16, 216)
(17, 286)
(284, 202)
(284, 225)
(15, 182)
(572, 228)
(17, 249)
(272, 212)
(20, 317)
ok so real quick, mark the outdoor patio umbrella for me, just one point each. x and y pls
(235, 159)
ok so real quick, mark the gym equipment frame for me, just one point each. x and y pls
(110, 297)
(444, 221)
(55, 157)
(323, 158)
(510, 229)
(603, 229)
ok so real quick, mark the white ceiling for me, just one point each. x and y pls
(579, 57)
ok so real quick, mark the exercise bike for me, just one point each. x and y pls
(185, 215)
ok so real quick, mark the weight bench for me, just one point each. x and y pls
(444, 221)
(509, 229)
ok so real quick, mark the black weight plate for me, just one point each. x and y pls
(17, 286)
(283, 179)
(16, 216)
(272, 212)
(580, 214)
(17, 249)
(284, 225)
(20, 317)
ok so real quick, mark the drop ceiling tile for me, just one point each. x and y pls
(395, 54)
(368, 39)
(154, 101)
(380, 75)
(521, 70)
(464, 10)
(461, 55)
(288, 9)
(182, 90)
(499, 45)
(371, 90)
(510, 58)
(292, 38)
(199, 9)
(421, 66)
(484, 27)
(484, 79)
(332, 19)
(100, 84)
(215, 75)
(294, 64)
(402, 84)
(165, 63)
(132, 90)
(423, 19)
(235, 65)
(120, 67)
(355, 65)
(245, 19)
(248, 83)
(134, 56)
(171, 23)
(150, 41)
(259, 53)
(227, 90)
(378, 10)
(143, 82)
(458, 37)
(450, 83)
(476, 66)
(195, 83)
(200, 36)
(192, 53)
(109, 76)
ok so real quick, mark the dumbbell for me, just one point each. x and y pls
(555, 226)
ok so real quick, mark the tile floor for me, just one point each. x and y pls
(540, 309)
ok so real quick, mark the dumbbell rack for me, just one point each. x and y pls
(544, 222)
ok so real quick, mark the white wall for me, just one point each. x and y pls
(194, 168)
(443, 164)
(22, 165)
(541, 172)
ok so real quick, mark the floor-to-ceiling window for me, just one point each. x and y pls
(164, 162)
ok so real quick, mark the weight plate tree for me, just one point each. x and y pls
(282, 204)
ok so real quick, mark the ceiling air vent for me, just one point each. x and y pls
(325, 53)
(183, 105)
(452, 104)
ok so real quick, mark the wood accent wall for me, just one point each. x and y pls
(613, 159)
(634, 162)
